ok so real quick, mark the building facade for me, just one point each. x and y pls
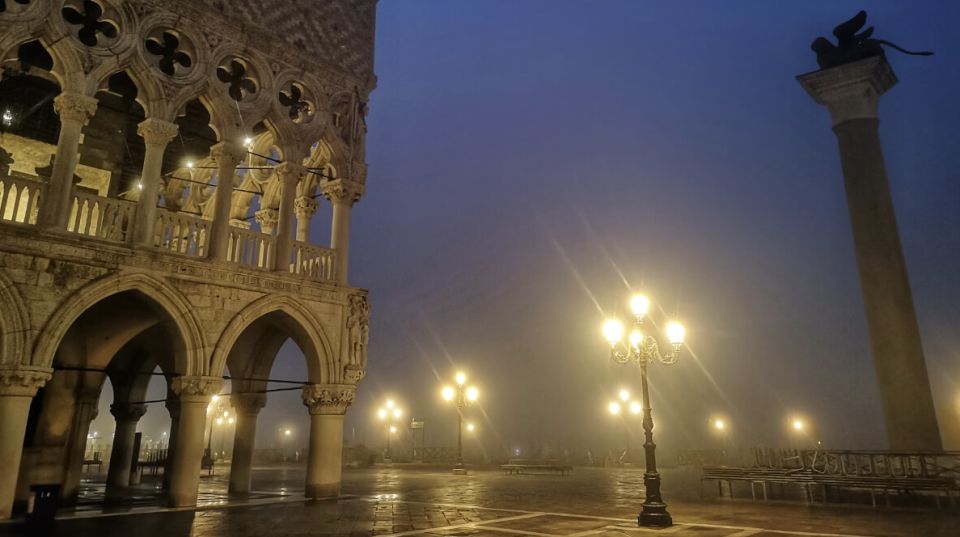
(161, 163)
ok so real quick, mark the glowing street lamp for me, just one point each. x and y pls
(462, 396)
(389, 413)
(719, 424)
(643, 348)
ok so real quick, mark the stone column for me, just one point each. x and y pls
(75, 110)
(247, 407)
(85, 412)
(852, 92)
(267, 218)
(289, 174)
(327, 404)
(194, 395)
(342, 194)
(173, 408)
(156, 135)
(305, 208)
(227, 156)
(17, 388)
(121, 454)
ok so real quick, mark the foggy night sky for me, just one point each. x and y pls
(533, 161)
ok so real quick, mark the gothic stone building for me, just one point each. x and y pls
(161, 163)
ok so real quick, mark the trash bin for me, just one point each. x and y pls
(45, 500)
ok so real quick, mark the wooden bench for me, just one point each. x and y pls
(520, 466)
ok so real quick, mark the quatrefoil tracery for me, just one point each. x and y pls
(89, 18)
(300, 109)
(239, 84)
(168, 48)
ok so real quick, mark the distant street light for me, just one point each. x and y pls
(798, 425)
(643, 349)
(719, 424)
(462, 396)
(470, 428)
(387, 414)
(615, 408)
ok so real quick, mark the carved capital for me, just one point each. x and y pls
(75, 107)
(196, 389)
(328, 399)
(228, 153)
(340, 191)
(157, 131)
(353, 373)
(248, 403)
(289, 172)
(305, 207)
(22, 381)
(851, 91)
(267, 218)
(127, 411)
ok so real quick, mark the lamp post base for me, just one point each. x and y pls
(654, 515)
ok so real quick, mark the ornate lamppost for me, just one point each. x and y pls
(461, 396)
(387, 415)
(642, 349)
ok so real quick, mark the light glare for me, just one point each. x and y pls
(676, 332)
(614, 407)
(613, 331)
(639, 305)
(624, 395)
(447, 393)
(461, 378)
(635, 407)
(472, 393)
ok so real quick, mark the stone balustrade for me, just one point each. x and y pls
(19, 200)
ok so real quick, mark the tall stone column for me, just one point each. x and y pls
(852, 93)
(305, 208)
(267, 218)
(289, 174)
(342, 194)
(121, 454)
(173, 408)
(327, 404)
(84, 413)
(75, 110)
(156, 134)
(194, 395)
(17, 388)
(227, 155)
(247, 407)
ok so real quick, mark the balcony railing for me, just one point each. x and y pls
(113, 219)
(19, 200)
(250, 248)
(110, 219)
(181, 233)
(312, 262)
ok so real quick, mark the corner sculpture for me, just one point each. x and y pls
(851, 46)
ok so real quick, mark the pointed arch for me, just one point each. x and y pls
(307, 333)
(178, 310)
(14, 322)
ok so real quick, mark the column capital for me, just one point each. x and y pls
(289, 171)
(342, 191)
(305, 207)
(228, 152)
(128, 411)
(23, 381)
(157, 131)
(248, 403)
(328, 399)
(853, 90)
(75, 107)
(267, 217)
(196, 389)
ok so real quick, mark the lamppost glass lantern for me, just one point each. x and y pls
(642, 348)
(461, 396)
(389, 414)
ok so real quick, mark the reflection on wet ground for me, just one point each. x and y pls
(401, 501)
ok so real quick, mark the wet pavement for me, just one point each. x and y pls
(409, 501)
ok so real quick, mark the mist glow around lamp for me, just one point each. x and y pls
(387, 414)
(462, 396)
(642, 349)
